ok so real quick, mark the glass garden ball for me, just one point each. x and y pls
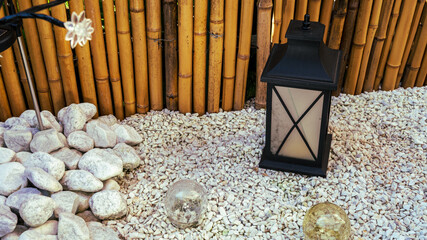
(185, 203)
(326, 221)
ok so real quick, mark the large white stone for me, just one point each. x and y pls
(46, 141)
(65, 201)
(83, 201)
(30, 116)
(42, 180)
(70, 157)
(81, 180)
(18, 140)
(16, 123)
(110, 119)
(15, 199)
(101, 164)
(3, 200)
(48, 228)
(47, 162)
(111, 184)
(128, 155)
(36, 210)
(2, 130)
(88, 216)
(101, 133)
(6, 155)
(32, 235)
(88, 109)
(108, 204)
(48, 119)
(126, 134)
(19, 229)
(99, 231)
(8, 220)
(72, 227)
(81, 141)
(12, 177)
(73, 119)
(22, 157)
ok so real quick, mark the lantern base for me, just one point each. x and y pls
(275, 164)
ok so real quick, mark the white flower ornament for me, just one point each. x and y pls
(79, 29)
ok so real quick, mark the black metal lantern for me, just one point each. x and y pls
(300, 77)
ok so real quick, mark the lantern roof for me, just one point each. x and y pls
(305, 61)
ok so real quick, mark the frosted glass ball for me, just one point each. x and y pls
(326, 221)
(185, 203)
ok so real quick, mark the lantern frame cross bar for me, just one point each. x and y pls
(295, 123)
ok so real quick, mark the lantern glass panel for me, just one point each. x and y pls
(286, 139)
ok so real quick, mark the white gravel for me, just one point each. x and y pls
(376, 173)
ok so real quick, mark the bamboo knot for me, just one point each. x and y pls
(129, 103)
(393, 66)
(277, 21)
(134, 10)
(216, 35)
(172, 96)
(200, 33)
(100, 80)
(410, 68)
(185, 75)
(243, 57)
(232, 77)
(154, 30)
(142, 106)
(115, 80)
(54, 80)
(123, 32)
(217, 21)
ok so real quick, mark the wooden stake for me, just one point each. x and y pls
(386, 48)
(411, 72)
(185, 44)
(277, 21)
(325, 16)
(313, 10)
(154, 47)
(414, 27)
(113, 58)
(99, 58)
(243, 55)
(199, 55)
(377, 45)
(216, 40)
(288, 15)
(171, 58)
(139, 36)
(400, 39)
(421, 77)
(337, 26)
(65, 58)
(300, 9)
(373, 25)
(36, 56)
(125, 53)
(4, 103)
(347, 37)
(263, 49)
(87, 83)
(230, 43)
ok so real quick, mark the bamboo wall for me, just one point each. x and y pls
(197, 56)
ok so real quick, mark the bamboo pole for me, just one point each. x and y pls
(199, 56)
(34, 50)
(230, 43)
(359, 42)
(346, 40)
(300, 9)
(185, 45)
(84, 63)
(23, 76)
(125, 54)
(387, 44)
(65, 58)
(5, 112)
(154, 32)
(137, 14)
(216, 40)
(337, 26)
(99, 59)
(373, 25)
(421, 77)
(243, 55)
(325, 16)
(400, 39)
(11, 82)
(288, 15)
(263, 49)
(49, 54)
(277, 21)
(313, 9)
(411, 72)
(171, 58)
(377, 45)
(113, 58)
(414, 27)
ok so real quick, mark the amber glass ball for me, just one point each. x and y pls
(326, 221)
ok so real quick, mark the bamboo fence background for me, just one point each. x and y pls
(200, 56)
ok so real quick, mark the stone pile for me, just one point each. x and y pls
(59, 183)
